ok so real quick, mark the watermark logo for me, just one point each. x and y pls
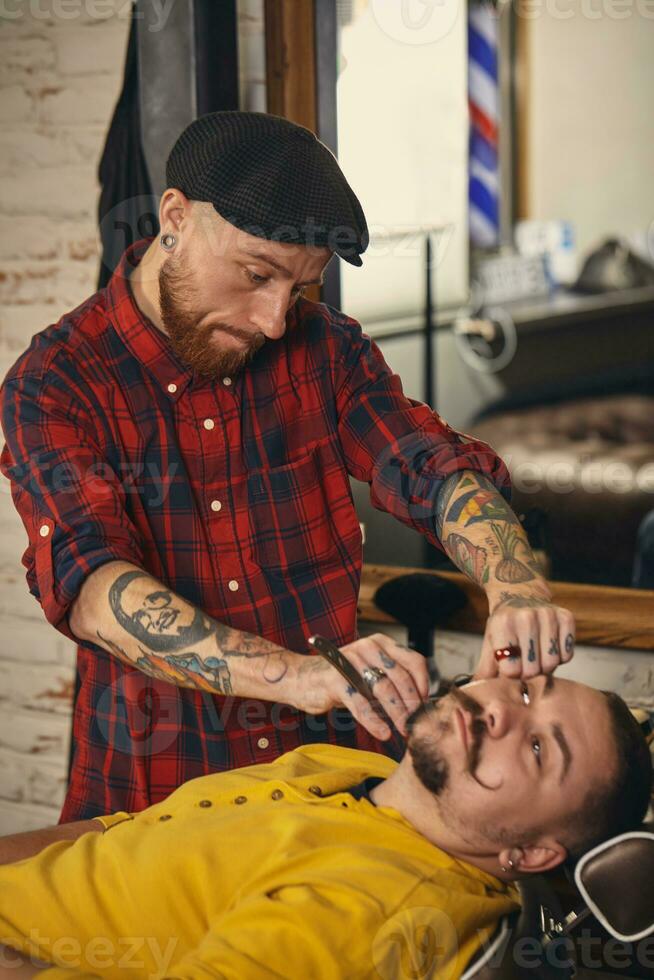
(416, 21)
(416, 943)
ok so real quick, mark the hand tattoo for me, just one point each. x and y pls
(387, 661)
(569, 643)
(531, 655)
(554, 647)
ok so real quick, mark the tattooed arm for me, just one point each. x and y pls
(144, 624)
(485, 539)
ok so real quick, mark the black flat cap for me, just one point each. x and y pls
(270, 178)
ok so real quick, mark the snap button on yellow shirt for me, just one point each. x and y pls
(265, 872)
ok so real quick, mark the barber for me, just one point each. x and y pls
(179, 449)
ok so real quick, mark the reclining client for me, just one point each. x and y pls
(334, 862)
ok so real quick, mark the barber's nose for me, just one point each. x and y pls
(271, 319)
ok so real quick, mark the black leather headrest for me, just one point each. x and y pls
(616, 880)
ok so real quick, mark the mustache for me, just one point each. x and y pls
(478, 727)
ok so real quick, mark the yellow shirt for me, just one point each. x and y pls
(269, 871)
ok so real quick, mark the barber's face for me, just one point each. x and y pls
(224, 293)
(505, 756)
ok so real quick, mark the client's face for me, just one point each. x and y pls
(505, 756)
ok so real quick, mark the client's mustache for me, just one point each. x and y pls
(478, 728)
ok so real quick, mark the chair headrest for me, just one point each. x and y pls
(616, 880)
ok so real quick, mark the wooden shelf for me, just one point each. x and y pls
(605, 616)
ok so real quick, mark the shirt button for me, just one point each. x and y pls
(316, 790)
(165, 816)
(44, 530)
(205, 803)
(276, 794)
(172, 387)
(263, 743)
(240, 799)
(232, 585)
(216, 505)
(227, 381)
(208, 423)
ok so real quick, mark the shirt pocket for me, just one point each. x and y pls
(302, 516)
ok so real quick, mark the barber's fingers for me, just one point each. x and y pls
(566, 623)
(550, 647)
(365, 714)
(406, 671)
(394, 691)
(500, 633)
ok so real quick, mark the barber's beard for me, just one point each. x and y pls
(430, 766)
(194, 345)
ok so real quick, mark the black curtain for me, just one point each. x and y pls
(127, 209)
(176, 68)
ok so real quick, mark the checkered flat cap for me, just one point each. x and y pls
(270, 178)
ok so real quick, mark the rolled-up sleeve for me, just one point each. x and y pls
(399, 446)
(69, 498)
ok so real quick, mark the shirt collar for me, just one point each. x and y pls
(145, 341)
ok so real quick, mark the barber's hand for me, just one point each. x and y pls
(320, 687)
(544, 632)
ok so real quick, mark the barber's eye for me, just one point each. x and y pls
(535, 744)
(524, 691)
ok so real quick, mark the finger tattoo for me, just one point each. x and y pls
(349, 690)
(531, 655)
(569, 643)
(386, 661)
(554, 647)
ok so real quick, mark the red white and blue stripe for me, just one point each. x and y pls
(483, 101)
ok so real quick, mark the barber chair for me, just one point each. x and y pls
(615, 883)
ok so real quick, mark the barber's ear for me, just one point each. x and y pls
(534, 858)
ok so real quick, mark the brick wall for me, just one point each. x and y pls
(60, 74)
(61, 64)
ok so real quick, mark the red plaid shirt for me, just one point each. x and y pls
(236, 494)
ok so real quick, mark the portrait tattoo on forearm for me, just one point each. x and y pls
(151, 620)
(165, 645)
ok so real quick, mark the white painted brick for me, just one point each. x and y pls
(15, 599)
(36, 643)
(89, 141)
(18, 817)
(22, 283)
(30, 237)
(60, 192)
(49, 16)
(25, 54)
(27, 149)
(87, 50)
(47, 687)
(41, 237)
(36, 733)
(80, 101)
(31, 779)
(16, 106)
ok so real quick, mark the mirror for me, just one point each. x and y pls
(560, 380)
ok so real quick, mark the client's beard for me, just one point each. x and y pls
(191, 343)
(431, 768)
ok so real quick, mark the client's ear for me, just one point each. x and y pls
(534, 858)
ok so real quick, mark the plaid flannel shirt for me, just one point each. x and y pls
(236, 494)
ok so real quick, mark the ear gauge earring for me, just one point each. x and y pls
(168, 242)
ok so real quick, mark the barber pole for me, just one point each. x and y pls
(484, 104)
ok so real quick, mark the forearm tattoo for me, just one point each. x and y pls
(168, 632)
(481, 534)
